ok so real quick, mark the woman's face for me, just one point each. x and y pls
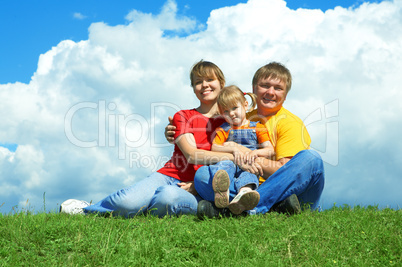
(206, 88)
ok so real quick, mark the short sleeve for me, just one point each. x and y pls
(181, 122)
(220, 136)
(262, 133)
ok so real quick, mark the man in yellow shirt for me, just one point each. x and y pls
(297, 173)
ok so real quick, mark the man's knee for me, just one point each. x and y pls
(312, 156)
(317, 160)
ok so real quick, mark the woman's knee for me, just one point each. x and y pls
(169, 200)
(166, 194)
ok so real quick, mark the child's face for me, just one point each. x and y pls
(236, 115)
(206, 88)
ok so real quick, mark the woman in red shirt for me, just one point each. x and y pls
(170, 190)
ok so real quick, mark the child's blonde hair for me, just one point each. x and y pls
(232, 95)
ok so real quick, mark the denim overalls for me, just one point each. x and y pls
(238, 177)
(245, 137)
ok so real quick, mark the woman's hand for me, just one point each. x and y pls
(244, 157)
(239, 157)
(254, 168)
(250, 157)
(189, 187)
(170, 131)
(240, 153)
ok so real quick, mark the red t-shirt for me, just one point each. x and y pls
(203, 129)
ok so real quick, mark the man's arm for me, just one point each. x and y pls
(269, 166)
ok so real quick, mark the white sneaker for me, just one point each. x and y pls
(246, 199)
(73, 206)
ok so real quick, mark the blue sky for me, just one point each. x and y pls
(30, 28)
(74, 78)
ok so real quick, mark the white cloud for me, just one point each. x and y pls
(127, 79)
(79, 16)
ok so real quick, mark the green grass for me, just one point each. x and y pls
(340, 236)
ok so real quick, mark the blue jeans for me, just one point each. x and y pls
(238, 178)
(303, 175)
(157, 194)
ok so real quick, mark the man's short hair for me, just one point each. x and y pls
(274, 70)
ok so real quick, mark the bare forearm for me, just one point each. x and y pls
(224, 149)
(265, 152)
(194, 155)
(269, 166)
(205, 157)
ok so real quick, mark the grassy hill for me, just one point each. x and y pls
(339, 236)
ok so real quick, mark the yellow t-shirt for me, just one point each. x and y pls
(287, 132)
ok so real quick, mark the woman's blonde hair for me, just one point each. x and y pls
(232, 95)
(206, 69)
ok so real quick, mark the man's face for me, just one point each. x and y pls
(271, 93)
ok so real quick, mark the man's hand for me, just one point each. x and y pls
(189, 187)
(170, 131)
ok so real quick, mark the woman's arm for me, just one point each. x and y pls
(188, 147)
(239, 152)
(243, 154)
(230, 147)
